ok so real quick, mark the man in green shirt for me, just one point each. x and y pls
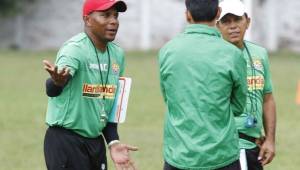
(260, 111)
(81, 91)
(203, 82)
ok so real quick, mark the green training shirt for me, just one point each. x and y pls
(80, 106)
(259, 84)
(203, 82)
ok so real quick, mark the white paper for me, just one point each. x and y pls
(243, 160)
(118, 113)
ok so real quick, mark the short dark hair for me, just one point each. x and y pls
(202, 10)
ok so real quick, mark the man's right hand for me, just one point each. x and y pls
(59, 77)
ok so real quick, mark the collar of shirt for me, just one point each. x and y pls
(201, 29)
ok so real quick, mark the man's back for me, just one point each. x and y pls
(201, 84)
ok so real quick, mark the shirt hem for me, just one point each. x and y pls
(228, 162)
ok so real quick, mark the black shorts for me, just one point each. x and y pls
(233, 166)
(64, 149)
(252, 161)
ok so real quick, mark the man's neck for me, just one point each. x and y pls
(100, 45)
(240, 45)
(209, 23)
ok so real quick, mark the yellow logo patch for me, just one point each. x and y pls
(98, 91)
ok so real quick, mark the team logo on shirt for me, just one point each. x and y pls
(257, 64)
(255, 83)
(115, 68)
(98, 91)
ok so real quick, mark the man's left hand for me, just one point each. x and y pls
(120, 155)
(267, 152)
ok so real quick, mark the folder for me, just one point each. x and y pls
(118, 113)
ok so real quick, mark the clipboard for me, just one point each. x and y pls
(118, 113)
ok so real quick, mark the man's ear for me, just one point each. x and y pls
(218, 13)
(189, 17)
(218, 24)
(87, 20)
(248, 22)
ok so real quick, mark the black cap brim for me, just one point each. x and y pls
(120, 6)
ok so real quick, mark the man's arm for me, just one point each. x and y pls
(58, 79)
(238, 98)
(161, 70)
(267, 151)
(110, 133)
(269, 117)
(119, 152)
(54, 90)
(239, 91)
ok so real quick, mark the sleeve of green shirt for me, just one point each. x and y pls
(239, 91)
(268, 87)
(69, 56)
(160, 55)
(122, 66)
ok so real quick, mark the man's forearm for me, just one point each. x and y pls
(238, 100)
(52, 90)
(269, 117)
(110, 132)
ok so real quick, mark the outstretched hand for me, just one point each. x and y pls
(120, 155)
(59, 77)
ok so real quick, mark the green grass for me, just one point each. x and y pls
(23, 104)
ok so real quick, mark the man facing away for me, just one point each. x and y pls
(203, 82)
(81, 93)
(260, 111)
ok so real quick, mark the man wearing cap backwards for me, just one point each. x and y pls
(203, 82)
(81, 91)
(260, 111)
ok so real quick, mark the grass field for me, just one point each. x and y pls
(23, 104)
